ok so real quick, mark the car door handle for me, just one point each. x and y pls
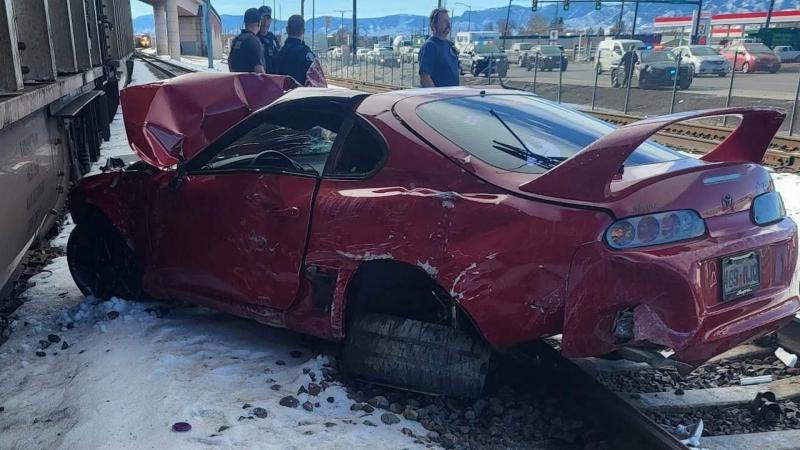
(291, 212)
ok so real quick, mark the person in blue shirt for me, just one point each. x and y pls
(438, 58)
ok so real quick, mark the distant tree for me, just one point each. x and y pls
(617, 28)
(601, 31)
(536, 25)
(489, 26)
(505, 28)
(557, 24)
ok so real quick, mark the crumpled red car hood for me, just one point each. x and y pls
(173, 120)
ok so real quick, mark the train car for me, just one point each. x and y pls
(63, 64)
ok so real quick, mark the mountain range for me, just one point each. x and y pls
(580, 16)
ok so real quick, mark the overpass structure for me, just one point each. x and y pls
(180, 28)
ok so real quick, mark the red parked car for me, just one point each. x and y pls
(425, 228)
(752, 57)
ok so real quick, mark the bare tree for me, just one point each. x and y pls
(536, 25)
(617, 28)
(505, 28)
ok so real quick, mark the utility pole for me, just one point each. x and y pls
(313, 23)
(303, 9)
(508, 17)
(619, 22)
(209, 39)
(342, 11)
(635, 16)
(696, 34)
(355, 30)
(769, 13)
(469, 20)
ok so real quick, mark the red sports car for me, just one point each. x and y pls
(425, 228)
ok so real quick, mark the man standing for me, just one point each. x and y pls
(247, 53)
(629, 60)
(438, 58)
(295, 57)
(269, 41)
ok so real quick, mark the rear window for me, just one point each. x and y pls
(490, 128)
(757, 48)
(550, 50)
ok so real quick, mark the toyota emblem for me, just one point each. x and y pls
(727, 201)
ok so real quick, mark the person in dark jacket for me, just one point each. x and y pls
(628, 62)
(247, 53)
(269, 41)
(295, 57)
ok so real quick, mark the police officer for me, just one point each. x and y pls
(269, 41)
(247, 53)
(295, 57)
(438, 59)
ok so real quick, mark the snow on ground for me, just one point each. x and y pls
(128, 371)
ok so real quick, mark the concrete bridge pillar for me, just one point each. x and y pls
(160, 16)
(173, 30)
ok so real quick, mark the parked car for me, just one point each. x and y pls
(610, 51)
(483, 59)
(704, 60)
(410, 56)
(465, 220)
(334, 52)
(787, 54)
(752, 57)
(546, 56)
(383, 56)
(361, 53)
(517, 50)
(655, 69)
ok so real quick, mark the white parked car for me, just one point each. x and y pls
(703, 60)
(361, 53)
(787, 53)
(335, 52)
(610, 51)
(383, 56)
(516, 51)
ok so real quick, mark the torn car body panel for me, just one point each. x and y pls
(281, 238)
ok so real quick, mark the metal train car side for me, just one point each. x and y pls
(63, 63)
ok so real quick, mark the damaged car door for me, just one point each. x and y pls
(230, 226)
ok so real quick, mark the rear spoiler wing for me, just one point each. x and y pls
(592, 170)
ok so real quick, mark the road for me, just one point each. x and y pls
(778, 86)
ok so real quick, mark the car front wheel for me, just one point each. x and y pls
(101, 263)
(418, 355)
(746, 68)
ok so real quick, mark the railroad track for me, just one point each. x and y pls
(167, 68)
(784, 152)
(630, 417)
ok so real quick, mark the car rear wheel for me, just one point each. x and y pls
(416, 355)
(101, 263)
(615, 81)
(722, 75)
(746, 68)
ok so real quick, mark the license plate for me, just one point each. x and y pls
(741, 275)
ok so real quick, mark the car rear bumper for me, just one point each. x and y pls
(671, 297)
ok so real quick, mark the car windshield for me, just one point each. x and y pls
(522, 133)
(487, 48)
(550, 50)
(525, 46)
(704, 51)
(652, 57)
(757, 48)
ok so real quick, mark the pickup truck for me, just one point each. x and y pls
(787, 54)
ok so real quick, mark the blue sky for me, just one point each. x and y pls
(366, 8)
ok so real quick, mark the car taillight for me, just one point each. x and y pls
(654, 229)
(768, 208)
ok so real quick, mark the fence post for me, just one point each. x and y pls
(794, 107)
(594, 89)
(675, 82)
(560, 74)
(628, 83)
(730, 87)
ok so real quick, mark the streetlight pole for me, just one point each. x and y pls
(313, 23)
(303, 9)
(469, 17)
(769, 13)
(209, 40)
(355, 30)
(619, 22)
(508, 17)
(635, 16)
(696, 34)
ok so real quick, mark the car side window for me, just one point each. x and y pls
(276, 146)
(361, 153)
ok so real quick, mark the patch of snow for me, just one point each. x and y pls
(123, 379)
(427, 267)
(368, 256)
